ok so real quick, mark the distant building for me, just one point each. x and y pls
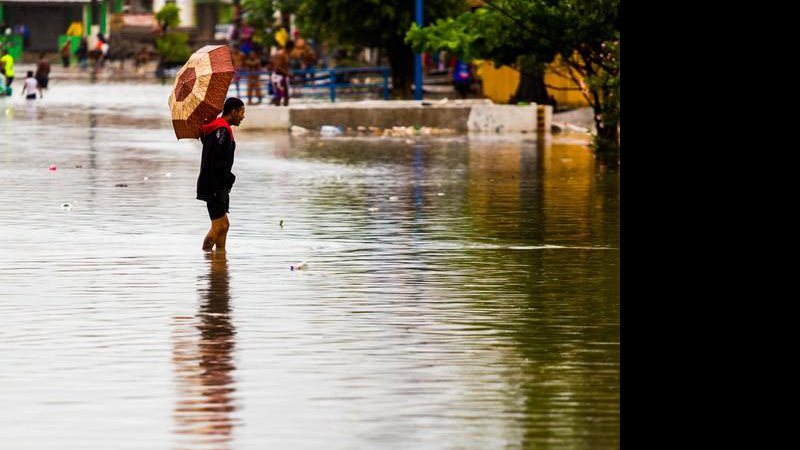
(200, 17)
(46, 20)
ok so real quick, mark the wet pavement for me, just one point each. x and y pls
(461, 293)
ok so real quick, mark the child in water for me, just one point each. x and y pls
(31, 85)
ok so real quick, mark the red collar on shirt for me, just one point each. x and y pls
(216, 123)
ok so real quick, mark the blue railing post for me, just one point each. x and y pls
(332, 84)
(418, 56)
(385, 84)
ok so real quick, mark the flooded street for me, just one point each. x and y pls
(461, 292)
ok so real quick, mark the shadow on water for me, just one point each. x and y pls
(203, 357)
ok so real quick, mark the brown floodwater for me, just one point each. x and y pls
(462, 292)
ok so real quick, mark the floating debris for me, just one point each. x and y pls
(372, 209)
(440, 194)
(120, 185)
(299, 266)
(146, 178)
(330, 130)
(393, 198)
(415, 130)
(168, 174)
(298, 130)
(78, 166)
(281, 223)
(52, 168)
(66, 205)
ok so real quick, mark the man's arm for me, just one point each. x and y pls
(221, 141)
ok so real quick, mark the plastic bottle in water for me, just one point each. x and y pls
(299, 266)
(330, 130)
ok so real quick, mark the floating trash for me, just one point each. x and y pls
(66, 205)
(440, 194)
(78, 166)
(409, 141)
(146, 178)
(299, 266)
(120, 185)
(168, 174)
(281, 223)
(298, 130)
(330, 130)
(393, 198)
(52, 168)
(372, 209)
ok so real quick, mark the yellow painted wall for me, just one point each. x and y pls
(498, 84)
(501, 83)
(569, 98)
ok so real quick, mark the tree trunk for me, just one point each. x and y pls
(531, 84)
(606, 143)
(531, 89)
(401, 60)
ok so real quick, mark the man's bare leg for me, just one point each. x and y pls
(222, 234)
(219, 227)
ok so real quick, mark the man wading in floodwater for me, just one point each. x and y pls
(216, 180)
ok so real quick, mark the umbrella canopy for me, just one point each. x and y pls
(200, 89)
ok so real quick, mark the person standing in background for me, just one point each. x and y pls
(280, 74)
(7, 65)
(43, 71)
(66, 53)
(83, 53)
(31, 86)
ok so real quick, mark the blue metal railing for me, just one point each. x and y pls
(311, 81)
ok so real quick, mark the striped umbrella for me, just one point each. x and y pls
(200, 89)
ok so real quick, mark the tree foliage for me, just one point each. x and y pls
(172, 46)
(169, 16)
(374, 23)
(260, 14)
(527, 34)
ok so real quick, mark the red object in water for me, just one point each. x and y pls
(52, 167)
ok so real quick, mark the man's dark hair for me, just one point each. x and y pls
(30, 73)
(289, 44)
(231, 103)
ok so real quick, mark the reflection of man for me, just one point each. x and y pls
(204, 362)
(216, 180)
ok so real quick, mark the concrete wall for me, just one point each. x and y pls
(265, 118)
(502, 118)
(445, 117)
(473, 117)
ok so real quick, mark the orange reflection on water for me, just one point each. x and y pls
(203, 358)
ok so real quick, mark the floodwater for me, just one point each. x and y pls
(461, 292)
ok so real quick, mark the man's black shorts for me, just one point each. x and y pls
(218, 205)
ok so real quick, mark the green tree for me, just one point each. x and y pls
(528, 34)
(374, 23)
(172, 46)
(260, 14)
(168, 17)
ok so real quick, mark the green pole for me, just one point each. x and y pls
(117, 6)
(2, 15)
(88, 28)
(103, 17)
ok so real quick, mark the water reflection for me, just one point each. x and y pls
(203, 357)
